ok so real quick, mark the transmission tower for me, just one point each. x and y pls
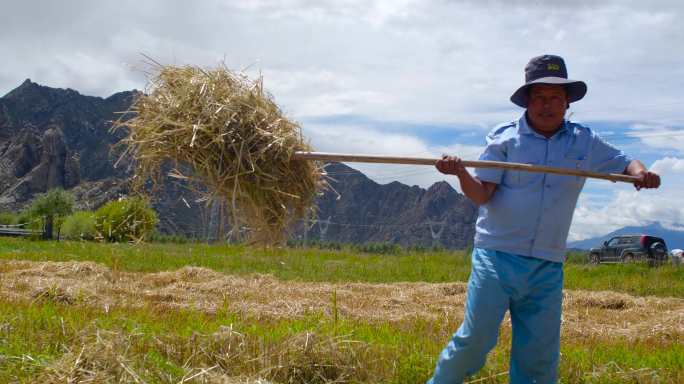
(323, 227)
(436, 230)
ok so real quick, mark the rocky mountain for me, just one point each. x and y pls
(53, 137)
(359, 210)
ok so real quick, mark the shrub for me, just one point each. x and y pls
(80, 225)
(380, 248)
(129, 219)
(8, 218)
(29, 222)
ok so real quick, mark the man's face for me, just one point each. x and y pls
(546, 106)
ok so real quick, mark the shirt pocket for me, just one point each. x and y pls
(524, 179)
(575, 161)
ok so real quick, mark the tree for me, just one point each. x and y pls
(53, 207)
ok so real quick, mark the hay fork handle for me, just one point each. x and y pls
(324, 156)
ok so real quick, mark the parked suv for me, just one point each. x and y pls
(625, 248)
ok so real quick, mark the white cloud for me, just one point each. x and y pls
(628, 207)
(670, 165)
(413, 61)
(316, 92)
(361, 139)
(658, 136)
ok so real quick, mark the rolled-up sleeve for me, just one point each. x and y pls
(495, 151)
(605, 158)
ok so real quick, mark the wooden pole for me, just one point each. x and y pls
(323, 156)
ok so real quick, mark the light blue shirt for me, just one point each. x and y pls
(530, 213)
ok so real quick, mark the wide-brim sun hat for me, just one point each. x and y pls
(548, 69)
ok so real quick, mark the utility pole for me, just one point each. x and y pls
(323, 227)
(305, 240)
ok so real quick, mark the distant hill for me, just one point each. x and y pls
(673, 239)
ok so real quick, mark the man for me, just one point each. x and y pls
(523, 225)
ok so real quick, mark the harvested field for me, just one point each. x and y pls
(84, 321)
(586, 314)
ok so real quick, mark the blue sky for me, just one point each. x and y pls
(396, 77)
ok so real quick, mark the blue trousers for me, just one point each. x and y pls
(532, 290)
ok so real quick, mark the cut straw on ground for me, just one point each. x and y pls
(586, 314)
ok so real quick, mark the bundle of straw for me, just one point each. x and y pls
(235, 140)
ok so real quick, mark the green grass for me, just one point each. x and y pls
(285, 263)
(309, 264)
(162, 347)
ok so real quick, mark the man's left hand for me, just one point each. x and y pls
(648, 179)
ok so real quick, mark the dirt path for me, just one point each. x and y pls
(586, 314)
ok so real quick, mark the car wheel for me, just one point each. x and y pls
(594, 258)
(658, 252)
(627, 257)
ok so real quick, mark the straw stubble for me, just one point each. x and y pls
(235, 140)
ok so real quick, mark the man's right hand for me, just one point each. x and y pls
(478, 191)
(451, 165)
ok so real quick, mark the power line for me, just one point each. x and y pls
(387, 175)
(328, 222)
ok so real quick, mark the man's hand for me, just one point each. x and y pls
(480, 192)
(648, 180)
(451, 165)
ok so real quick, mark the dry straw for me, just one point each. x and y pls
(235, 140)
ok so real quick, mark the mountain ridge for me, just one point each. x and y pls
(52, 137)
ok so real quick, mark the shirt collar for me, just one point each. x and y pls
(525, 128)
